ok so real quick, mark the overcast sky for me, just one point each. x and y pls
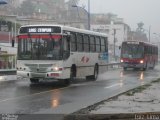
(133, 11)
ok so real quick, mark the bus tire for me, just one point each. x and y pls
(96, 71)
(34, 80)
(124, 68)
(73, 73)
(145, 68)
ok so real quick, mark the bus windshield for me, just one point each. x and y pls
(132, 51)
(40, 48)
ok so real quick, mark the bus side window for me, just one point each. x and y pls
(80, 42)
(103, 48)
(86, 43)
(106, 44)
(92, 44)
(73, 42)
(146, 49)
(98, 47)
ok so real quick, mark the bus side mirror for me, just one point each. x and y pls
(120, 47)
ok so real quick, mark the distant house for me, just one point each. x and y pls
(5, 43)
(4, 37)
(7, 53)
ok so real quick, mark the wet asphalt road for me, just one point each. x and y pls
(21, 97)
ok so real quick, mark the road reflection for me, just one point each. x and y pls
(121, 79)
(141, 78)
(45, 86)
(2, 78)
(55, 98)
(55, 103)
(133, 73)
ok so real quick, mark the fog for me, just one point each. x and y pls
(133, 11)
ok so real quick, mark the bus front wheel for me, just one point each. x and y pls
(145, 68)
(124, 68)
(34, 80)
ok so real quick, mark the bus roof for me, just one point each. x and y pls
(145, 42)
(71, 29)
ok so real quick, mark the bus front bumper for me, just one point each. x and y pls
(47, 75)
(130, 65)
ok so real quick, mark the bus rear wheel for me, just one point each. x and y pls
(34, 80)
(73, 73)
(153, 65)
(95, 75)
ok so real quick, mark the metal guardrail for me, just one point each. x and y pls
(114, 65)
(8, 72)
(2, 45)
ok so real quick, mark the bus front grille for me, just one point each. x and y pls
(39, 68)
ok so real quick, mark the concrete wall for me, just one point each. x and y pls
(7, 47)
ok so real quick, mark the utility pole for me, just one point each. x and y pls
(89, 24)
(149, 32)
(114, 43)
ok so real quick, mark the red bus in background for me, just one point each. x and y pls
(138, 55)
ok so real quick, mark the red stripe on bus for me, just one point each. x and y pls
(40, 36)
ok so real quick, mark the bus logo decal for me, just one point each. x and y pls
(85, 59)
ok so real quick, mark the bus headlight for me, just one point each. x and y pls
(141, 61)
(56, 69)
(122, 61)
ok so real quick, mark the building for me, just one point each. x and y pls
(7, 52)
(117, 32)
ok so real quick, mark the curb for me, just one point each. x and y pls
(86, 111)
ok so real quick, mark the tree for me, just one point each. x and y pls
(27, 8)
(110, 17)
(140, 32)
(73, 2)
(140, 27)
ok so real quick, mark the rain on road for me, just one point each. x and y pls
(21, 97)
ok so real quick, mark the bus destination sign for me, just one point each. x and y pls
(40, 29)
(132, 42)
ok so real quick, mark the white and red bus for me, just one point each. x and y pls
(61, 53)
(136, 54)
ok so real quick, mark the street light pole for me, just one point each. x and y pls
(88, 12)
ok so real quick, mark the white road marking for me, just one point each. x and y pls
(114, 85)
(32, 94)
